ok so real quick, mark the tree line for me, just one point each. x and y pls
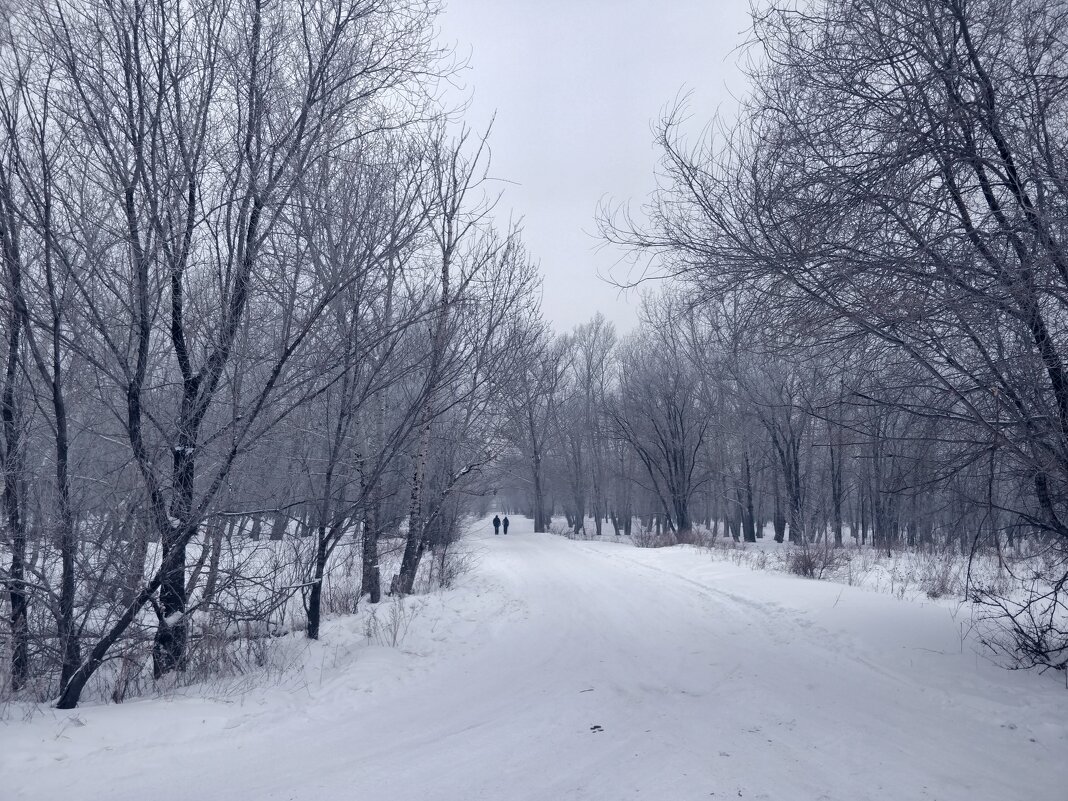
(251, 288)
(863, 339)
(708, 424)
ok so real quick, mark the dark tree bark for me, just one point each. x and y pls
(779, 518)
(12, 449)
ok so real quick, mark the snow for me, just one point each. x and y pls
(173, 618)
(562, 669)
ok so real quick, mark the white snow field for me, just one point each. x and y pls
(586, 670)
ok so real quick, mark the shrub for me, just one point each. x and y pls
(813, 560)
(387, 624)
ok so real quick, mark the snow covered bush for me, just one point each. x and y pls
(651, 538)
(813, 560)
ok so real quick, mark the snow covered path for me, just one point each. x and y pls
(579, 670)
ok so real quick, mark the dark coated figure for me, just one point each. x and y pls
(505, 524)
(497, 526)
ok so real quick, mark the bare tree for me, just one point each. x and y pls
(534, 396)
(191, 195)
(582, 419)
(894, 178)
(658, 413)
(480, 274)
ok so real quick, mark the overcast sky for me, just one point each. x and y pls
(576, 86)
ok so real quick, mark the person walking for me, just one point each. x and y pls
(497, 526)
(505, 524)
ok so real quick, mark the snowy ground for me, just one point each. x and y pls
(586, 670)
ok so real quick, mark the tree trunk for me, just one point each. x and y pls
(863, 517)
(20, 630)
(278, 528)
(734, 523)
(211, 582)
(315, 594)
(415, 544)
(72, 691)
(16, 585)
(541, 523)
(169, 648)
(749, 514)
(12, 465)
(683, 523)
(779, 520)
(168, 651)
(371, 575)
(797, 532)
(68, 634)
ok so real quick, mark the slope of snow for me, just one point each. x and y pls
(587, 670)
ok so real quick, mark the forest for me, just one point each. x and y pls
(268, 344)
